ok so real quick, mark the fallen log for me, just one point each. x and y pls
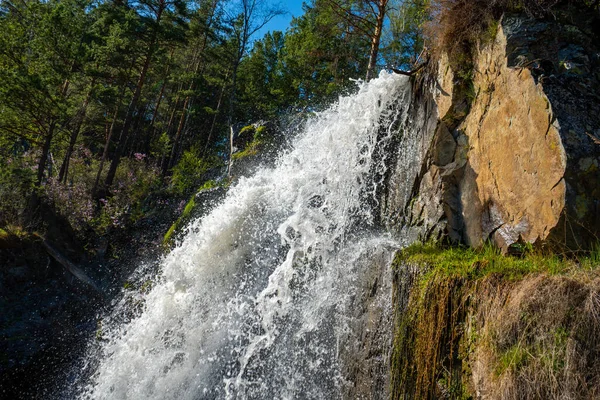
(69, 266)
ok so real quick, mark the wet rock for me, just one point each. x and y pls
(365, 348)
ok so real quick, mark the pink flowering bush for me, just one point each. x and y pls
(73, 201)
(73, 197)
(133, 182)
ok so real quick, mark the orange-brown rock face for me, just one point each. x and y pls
(515, 153)
(510, 149)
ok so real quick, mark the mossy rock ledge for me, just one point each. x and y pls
(479, 325)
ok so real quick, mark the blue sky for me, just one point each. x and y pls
(294, 9)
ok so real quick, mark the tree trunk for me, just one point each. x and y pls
(107, 143)
(175, 147)
(149, 134)
(31, 212)
(214, 121)
(232, 100)
(64, 169)
(112, 171)
(187, 102)
(45, 152)
(110, 176)
(376, 38)
(133, 141)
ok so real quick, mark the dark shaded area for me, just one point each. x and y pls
(47, 314)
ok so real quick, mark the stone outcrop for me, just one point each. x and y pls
(489, 337)
(365, 351)
(509, 150)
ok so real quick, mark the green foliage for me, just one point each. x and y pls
(162, 146)
(323, 54)
(267, 88)
(189, 171)
(17, 179)
(406, 37)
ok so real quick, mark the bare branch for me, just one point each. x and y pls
(351, 17)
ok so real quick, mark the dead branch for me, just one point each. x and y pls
(409, 73)
(69, 266)
(594, 138)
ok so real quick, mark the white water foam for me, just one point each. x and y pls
(253, 303)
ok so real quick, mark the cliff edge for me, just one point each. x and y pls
(509, 144)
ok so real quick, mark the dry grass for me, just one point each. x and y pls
(531, 331)
(542, 343)
(457, 26)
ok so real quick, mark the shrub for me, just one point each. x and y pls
(457, 25)
(16, 183)
(187, 174)
(134, 180)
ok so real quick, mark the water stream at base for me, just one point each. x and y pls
(253, 303)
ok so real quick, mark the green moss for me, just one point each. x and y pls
(475, 264)
(426, 360)
(99, 332)
(13, 231)
(169, 234)
(259, 138)
(188, 210)
(512, 359)
(189, 207)
(247, 130)
(208, 185)
(146, 286)
(251, 150)
(260, 132)
(183, 218)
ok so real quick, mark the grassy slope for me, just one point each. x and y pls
(477, 323)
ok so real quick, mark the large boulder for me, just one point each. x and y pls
(520, 162)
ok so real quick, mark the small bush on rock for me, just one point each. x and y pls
(187, 174)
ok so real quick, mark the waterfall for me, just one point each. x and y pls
(253, 303)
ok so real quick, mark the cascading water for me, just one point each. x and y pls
(253, 304)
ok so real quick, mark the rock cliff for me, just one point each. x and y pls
(507, 149)
(501, 145)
